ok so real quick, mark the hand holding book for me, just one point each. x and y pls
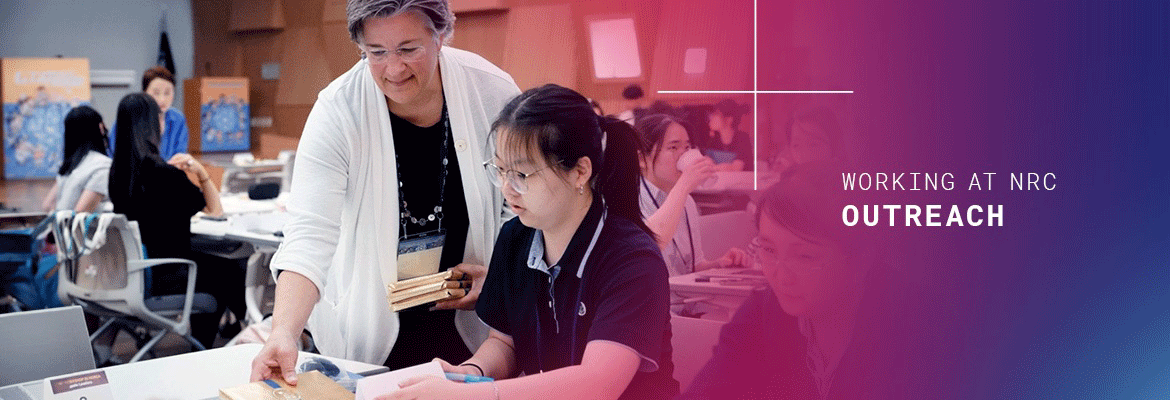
(471, 282)
(455, 288)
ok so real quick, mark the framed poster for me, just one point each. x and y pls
(37, 93)
(224, 114)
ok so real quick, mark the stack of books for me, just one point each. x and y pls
(420, 290)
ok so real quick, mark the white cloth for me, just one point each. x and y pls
(686, 247)
(343, 232)
(92, 173)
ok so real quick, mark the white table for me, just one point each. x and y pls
(256, 223)
(723, 291)
(191, 376)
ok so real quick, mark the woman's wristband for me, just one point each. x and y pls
(473, 365)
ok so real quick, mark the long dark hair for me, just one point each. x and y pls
(137, 145)
(562, 125)
(83, 134)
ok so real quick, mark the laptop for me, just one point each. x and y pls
(42, 343)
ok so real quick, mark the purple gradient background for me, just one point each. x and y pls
(1069, 299)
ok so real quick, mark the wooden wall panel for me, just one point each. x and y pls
(270, 145)
(304, 71)
(459, 6)
(485, 33)
(289, 120)
(536, 41)
(333, 11)
(340, 52)
(261, 92)
(729, 53)
(215, 47)
(542, 46)
(253, 15)
(303, 13)
(647, 15)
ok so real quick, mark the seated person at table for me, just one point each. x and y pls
(576, 293)
(812, 135)
(824, 328)
(665, 195)
(725, 143)
(163, 196)
(159, 83)
(83, 180)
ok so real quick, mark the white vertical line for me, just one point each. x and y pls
(755, 95)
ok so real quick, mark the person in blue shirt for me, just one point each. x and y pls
(160, 85)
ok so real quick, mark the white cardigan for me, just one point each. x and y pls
(343, 234)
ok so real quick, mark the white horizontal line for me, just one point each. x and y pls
(755, 92)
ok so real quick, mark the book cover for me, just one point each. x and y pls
(387, 382)
(311, 385)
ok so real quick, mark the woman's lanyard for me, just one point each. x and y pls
(580, 306)
(405, 217)
(686, 220)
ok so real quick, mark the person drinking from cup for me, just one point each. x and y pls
(671, 170)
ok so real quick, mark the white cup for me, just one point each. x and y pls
(692, 157)
(689, 158)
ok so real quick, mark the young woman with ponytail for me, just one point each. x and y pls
(576, 294)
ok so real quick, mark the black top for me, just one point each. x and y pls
(424, 335)
(418, 152)
(625, 299)
(163, 210)
(741, 145)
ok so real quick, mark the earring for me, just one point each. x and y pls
(580, 189)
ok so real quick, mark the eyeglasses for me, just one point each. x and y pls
(411, 53)
(677, 148)
(795, 261)
(499, 175)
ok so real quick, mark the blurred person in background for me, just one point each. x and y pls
(812, 135)
(84, 176)
(159, 83)
(162, 196)
(632, 96)
(725, 143)
(829, 324)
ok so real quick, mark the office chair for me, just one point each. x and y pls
(693, 341)
(722, 231)
(20, 280)
(106, 272)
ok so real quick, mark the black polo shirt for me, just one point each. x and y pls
(551, 316)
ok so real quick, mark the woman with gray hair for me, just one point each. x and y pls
(389, 163)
